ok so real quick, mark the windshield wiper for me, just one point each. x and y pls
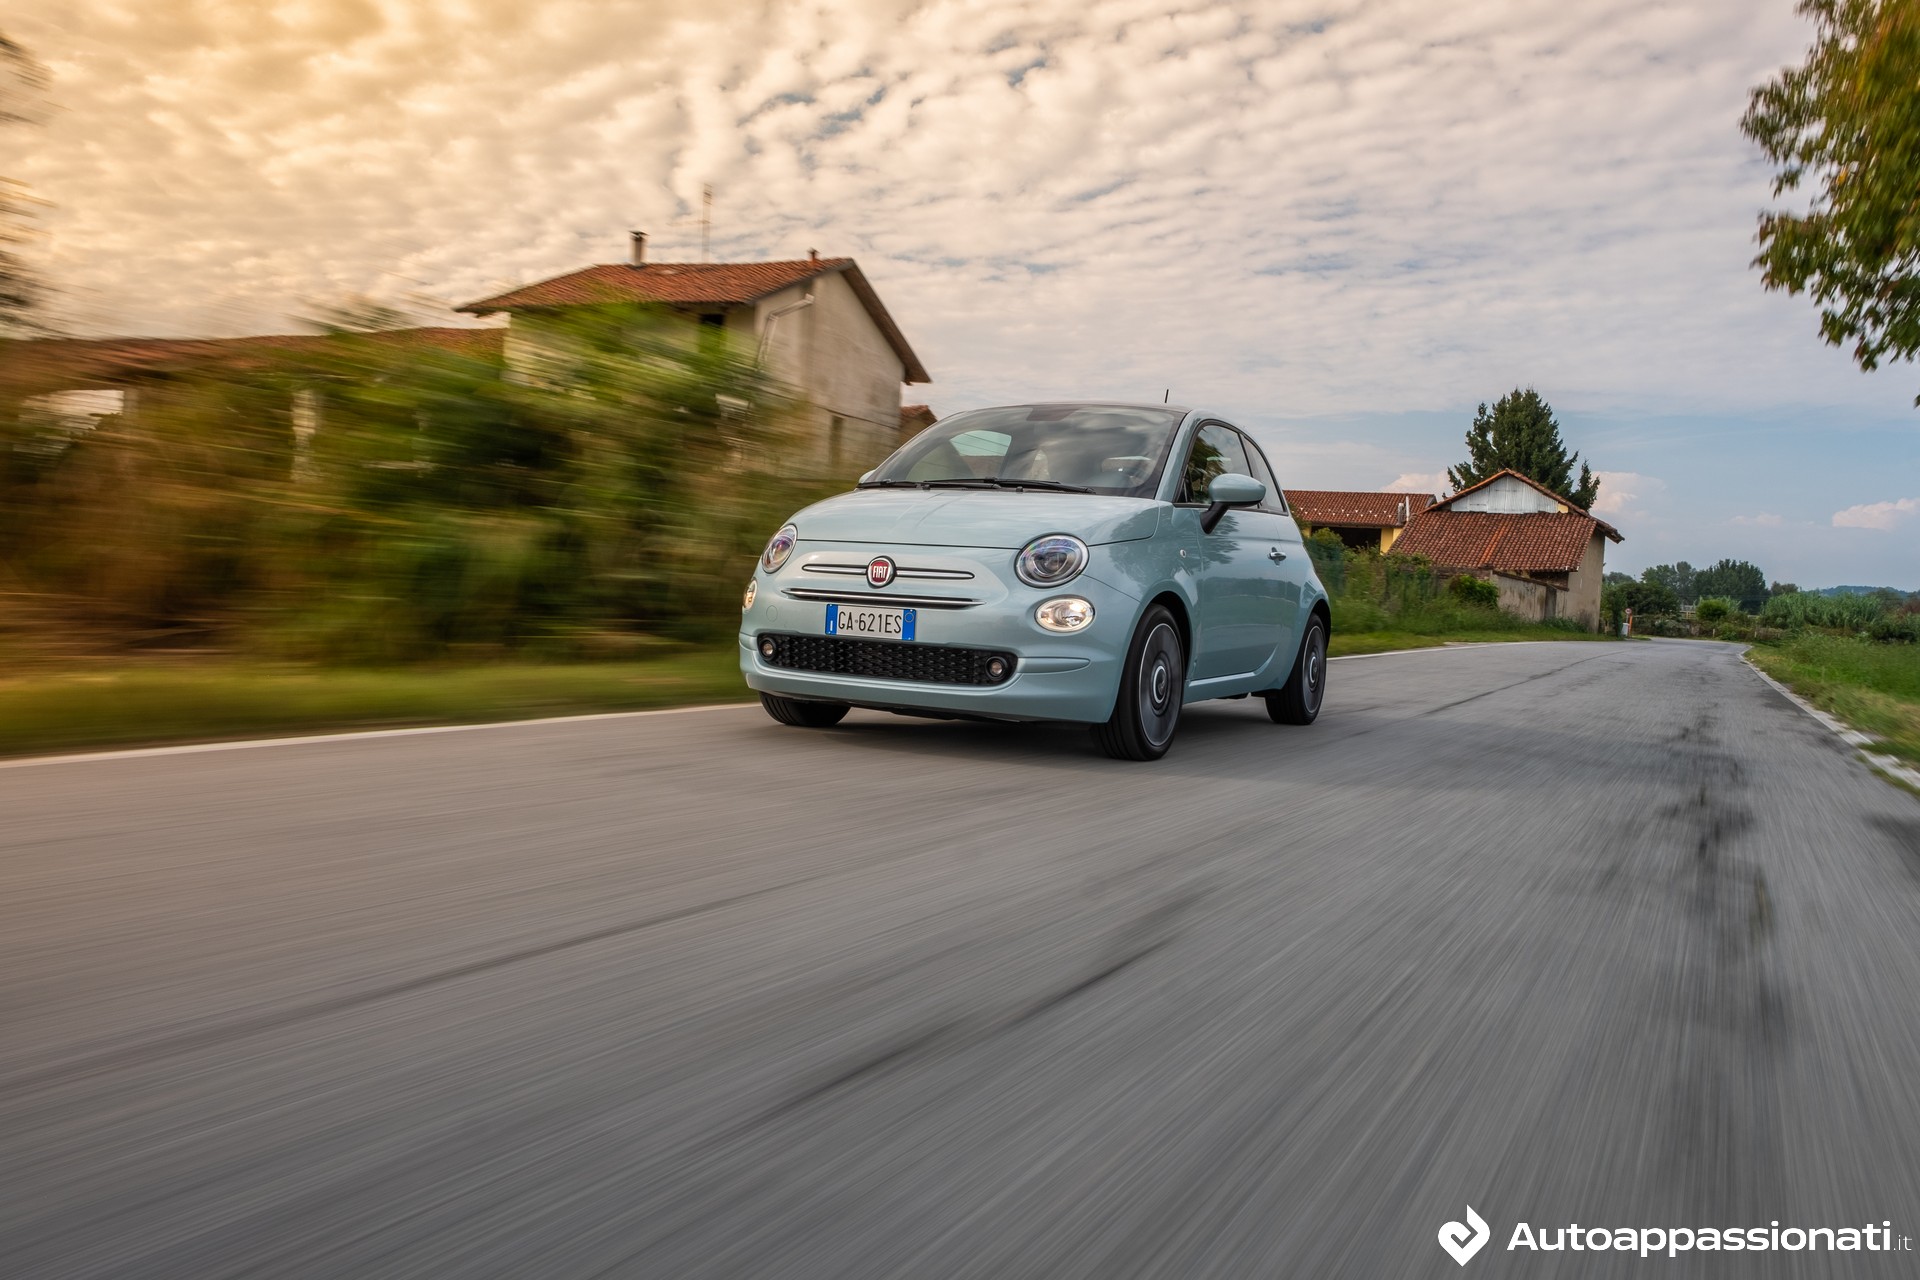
(995, 482)
(891, 484)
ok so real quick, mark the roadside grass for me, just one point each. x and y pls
(1873, 687)
(209, 701)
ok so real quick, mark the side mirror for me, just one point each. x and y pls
(1229, 491)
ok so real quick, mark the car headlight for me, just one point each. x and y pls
(746, 602)
(779, 547)
(1068, 613)
(1050, 561)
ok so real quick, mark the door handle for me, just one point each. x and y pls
(1276, 555)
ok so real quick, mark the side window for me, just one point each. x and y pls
(1276, 501)
(1216, 452)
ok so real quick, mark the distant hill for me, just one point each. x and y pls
(1856, 591)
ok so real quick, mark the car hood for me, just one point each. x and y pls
(975, 518)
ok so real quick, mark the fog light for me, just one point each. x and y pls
(1068, 613)
(753, 585)
(996, 668)
(767, 648)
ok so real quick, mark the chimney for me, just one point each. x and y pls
(639, 248)
(813, 255)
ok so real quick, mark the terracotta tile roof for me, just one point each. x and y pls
(1510, 542)
(71, 363)
(699, 284)
(917, 416)
(674, 283)
(1318, 508)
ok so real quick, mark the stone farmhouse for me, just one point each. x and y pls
(816, 323)
(1547, 556)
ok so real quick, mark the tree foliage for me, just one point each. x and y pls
(21, 81)
(1846, 125)
(1737, 580)
(1677, 578)
(386, 500)
(1520, 434)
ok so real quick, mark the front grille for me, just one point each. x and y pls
(885, 659)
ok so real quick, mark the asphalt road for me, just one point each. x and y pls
(1608, 934)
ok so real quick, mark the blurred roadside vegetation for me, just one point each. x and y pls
(361, 501)
(1383, 602)
(1855, 655)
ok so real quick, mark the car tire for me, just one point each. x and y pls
(1298, 701)
(805, 714)
(1146, 711)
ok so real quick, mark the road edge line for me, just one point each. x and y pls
(1892, 766)
(350, 735)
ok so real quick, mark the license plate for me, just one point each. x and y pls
(870, 624)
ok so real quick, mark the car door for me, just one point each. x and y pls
(1239, 624)
(1287, 555)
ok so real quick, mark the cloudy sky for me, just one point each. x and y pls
(1344, 221)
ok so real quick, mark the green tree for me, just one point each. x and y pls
(1738, 580)
(1846, 124)
(1677, 578)
(1519, 434)
(21, 81)
(1644, 598)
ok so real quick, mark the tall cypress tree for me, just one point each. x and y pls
(1519, 434)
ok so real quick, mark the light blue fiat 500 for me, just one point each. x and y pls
(1098, 563)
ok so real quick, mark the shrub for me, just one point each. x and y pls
(1713, 609)
(1475, 591)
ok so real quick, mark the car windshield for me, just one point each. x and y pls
(1089, 448)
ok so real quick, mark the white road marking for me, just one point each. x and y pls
(1892, 766)
(356, 735)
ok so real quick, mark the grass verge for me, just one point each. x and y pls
(1873, 687)
(203, 702)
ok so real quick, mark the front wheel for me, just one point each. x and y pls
(1298, 701)
(807, 715)
(1147, 709)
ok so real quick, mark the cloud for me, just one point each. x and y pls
(1762, 519)
(1420, 482)
(1300, 206)
(1877, 515)
(1620, 491)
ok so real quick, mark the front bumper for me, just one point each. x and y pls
(1055, 677)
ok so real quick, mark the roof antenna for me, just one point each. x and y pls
(706, 219)
(1166, 397)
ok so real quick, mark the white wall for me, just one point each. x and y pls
(1506, 495)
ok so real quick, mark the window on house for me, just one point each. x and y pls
(717, 319)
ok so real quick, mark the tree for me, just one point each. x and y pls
(1677, 578)
(21, 79)
(1644, 598)
(1846, 123)
(1520, 434)
(1738, 580)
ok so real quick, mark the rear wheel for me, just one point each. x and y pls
(1152, 684)
(807, 715)
(1298, 702)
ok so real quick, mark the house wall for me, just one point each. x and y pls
(1506, 495)
(1584, 583)
(1524, 598)
(835, 355)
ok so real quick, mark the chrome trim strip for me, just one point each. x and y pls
(876, 598)
(860, 571)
